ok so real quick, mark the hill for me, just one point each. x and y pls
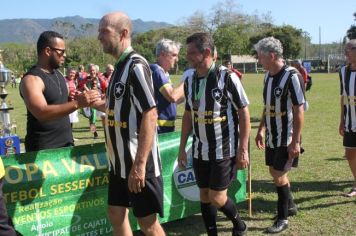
(28, 30)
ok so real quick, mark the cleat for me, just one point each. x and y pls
(236, 232)
(278, 226)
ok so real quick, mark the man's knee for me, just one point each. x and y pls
(280, 181)
(218, 198)
(149, 224)
(117, 215)
(204, 195)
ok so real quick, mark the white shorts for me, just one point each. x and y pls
(73, 117)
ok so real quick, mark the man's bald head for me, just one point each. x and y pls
(118, 21)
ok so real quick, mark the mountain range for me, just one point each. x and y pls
(28, 30)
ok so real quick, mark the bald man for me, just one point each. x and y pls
(135, 171)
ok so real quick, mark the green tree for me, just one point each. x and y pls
(289, 36)
(19, 57)
(351, 32)
(145, 43)
(85, 51)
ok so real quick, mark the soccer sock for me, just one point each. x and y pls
(291, 203)
(209, 213)
(230, 210)
(282, 203)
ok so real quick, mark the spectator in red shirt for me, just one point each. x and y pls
(72, 88)
(298, 65)
(81, 76)
(228, 64)
(108, 73)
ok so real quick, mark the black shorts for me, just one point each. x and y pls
(349, 140)
(145, 203)
(278, 159)
(216, 175)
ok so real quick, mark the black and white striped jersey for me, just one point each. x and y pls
(129, 94)
(214, 117)
(280, 93)
(348, 93)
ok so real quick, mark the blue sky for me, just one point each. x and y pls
(333, 18)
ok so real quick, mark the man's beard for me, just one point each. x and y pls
(53, 63)
(111, 49)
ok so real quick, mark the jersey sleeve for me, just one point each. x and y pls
(342, 74)
(296, 90)
(142, 86)
(236, 91)
(159, 78)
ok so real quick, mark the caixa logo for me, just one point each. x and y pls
(184, 180)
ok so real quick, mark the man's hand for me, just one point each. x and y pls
(86, 98)
(71, 95)
(242, 160)
(293, 150)
(182, 159)
(341, 128)
(136, 179)
(259, 140)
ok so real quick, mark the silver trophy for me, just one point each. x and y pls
(5, 77)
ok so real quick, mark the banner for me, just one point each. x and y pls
(64, 191)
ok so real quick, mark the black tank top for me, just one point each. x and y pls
(55, 133)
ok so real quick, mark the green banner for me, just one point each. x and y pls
(64, 191)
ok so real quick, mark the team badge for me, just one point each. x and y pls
(119, 90)
(217, 94)
(9, 142)
(278, 92)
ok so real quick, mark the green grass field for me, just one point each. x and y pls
(322, 176)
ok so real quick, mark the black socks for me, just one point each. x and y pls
(230, 210)
(282, 203)
(291, 203)
(209, 213)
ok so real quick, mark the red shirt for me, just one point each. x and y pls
(72, 88)
(304, 73)
(238, 73)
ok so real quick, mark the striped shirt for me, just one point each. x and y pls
(130, 93)
(348, 92)
(280, 93)
(214, 117)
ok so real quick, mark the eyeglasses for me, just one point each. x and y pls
(59, 51)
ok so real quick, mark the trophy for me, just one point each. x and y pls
(9, 143)
(5, 76)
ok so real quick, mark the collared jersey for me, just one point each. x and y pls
(280, 93)
(130, 93)
(348, 92)
(166, 110)
(214, 117)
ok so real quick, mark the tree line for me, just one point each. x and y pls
(234, 33)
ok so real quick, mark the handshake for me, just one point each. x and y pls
(87, 98)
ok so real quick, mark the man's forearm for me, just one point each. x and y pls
(262, 126)
(146, 136)
(186, 129)
(244, 127)
(298, 121)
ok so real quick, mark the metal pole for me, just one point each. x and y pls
(249, 183)
(305, 46)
